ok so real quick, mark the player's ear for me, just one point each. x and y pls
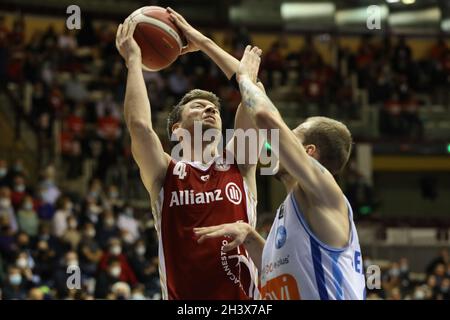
(310, 149)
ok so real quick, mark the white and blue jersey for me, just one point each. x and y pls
(297, 265)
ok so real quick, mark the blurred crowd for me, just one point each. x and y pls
(109, 247)
(399, 283)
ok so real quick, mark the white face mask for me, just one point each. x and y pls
(28, 206)
(19, 188)
(419, 295)
(73, 224)
(3, 172)
(140, 250)
(138, 296)
(90, 233)
(22, 263)
(72, 263)
(115, 271)
(5, 203)
(116, 250)
(15, 279)
(109, 222)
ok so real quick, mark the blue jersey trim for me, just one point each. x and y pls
(338, 277)
(318, 270)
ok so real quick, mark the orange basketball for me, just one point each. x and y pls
(160, 40)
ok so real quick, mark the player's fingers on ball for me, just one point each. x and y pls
(131, 29)
(119, 31)
(125, 27)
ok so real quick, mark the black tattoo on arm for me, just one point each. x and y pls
(253, 97)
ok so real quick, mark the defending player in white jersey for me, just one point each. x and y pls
(312, 251)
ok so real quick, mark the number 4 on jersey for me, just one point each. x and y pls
(180, 170)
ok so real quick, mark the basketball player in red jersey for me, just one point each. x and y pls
(186, 194)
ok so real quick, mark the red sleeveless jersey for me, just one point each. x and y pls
(196, 195)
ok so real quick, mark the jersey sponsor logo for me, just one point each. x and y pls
(237, 262)
(283, 287)
(233, 193)
(205, 177)
(188, 197)
(273, 266)
(280, 238)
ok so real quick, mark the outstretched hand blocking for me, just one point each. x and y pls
(249, 64)
(125, 43)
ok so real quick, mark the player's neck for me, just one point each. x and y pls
(204, 155)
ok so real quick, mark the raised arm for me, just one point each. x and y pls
(145, 144)
(309, 173)
(229, 66)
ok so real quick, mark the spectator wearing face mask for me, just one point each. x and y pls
(139, 259)
(107, 229)
(26, 263)
(107, 278)
(91, 211)
(6, 209)
(59, 222)
(15, 286)
(432, 287)
(4, 174)
(138, 293)
(49, 190)
(72, 236)
(115, 252)
(19, 191)
(90, 251)
(27, 217)
(112, 198)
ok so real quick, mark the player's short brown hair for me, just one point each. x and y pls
(175, 114)
(332, 139)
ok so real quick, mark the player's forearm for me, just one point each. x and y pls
(254, 244)
(137, 106)
(255, 100)
(225, 61)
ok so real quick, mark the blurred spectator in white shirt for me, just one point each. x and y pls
(59, 221)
